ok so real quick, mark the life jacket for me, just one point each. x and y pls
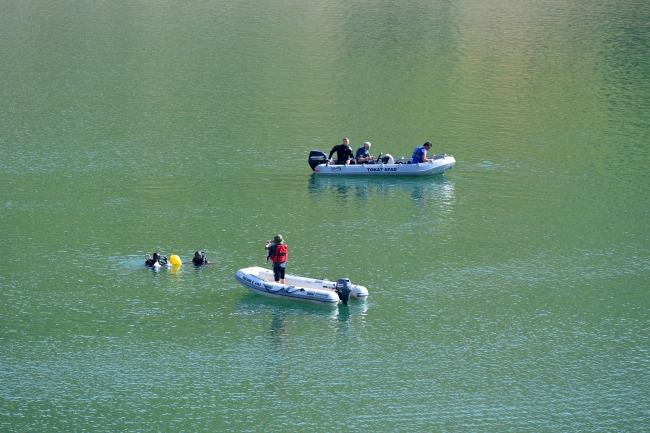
(280, 254)
(417, 155)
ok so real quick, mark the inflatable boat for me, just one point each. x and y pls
(261, 281)
(385, 166)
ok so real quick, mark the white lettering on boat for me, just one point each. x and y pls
(382, 169)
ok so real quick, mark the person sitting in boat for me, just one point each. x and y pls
(344, 154)
(278, 254)
(199, 259)
(156, 259)
(363, 154)
(420, 153)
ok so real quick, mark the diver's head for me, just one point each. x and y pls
(156, 256)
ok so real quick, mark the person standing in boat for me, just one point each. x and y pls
(278, 253)
(363, 154)
(420, 153)
(343, 152)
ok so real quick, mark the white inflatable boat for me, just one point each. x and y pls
(385, 166)
(261, 281)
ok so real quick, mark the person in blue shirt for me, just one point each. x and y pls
(420, 153)
(363, 155)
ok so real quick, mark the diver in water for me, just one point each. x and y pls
(199, 259)
(156, 259)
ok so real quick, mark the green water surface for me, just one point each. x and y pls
(510, 294)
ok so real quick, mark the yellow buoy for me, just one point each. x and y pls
(175, 260)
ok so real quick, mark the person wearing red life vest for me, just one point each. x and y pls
(278, 254)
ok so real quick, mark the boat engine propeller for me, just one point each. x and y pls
(343, 289)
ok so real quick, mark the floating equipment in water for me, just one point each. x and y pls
(175, 260)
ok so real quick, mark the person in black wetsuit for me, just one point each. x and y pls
(344, 154)
(151, 261)
(199, 259)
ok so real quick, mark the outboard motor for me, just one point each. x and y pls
(343, 289)
(317, 157)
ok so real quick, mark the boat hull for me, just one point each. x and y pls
(437, 166)
(260, 280)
